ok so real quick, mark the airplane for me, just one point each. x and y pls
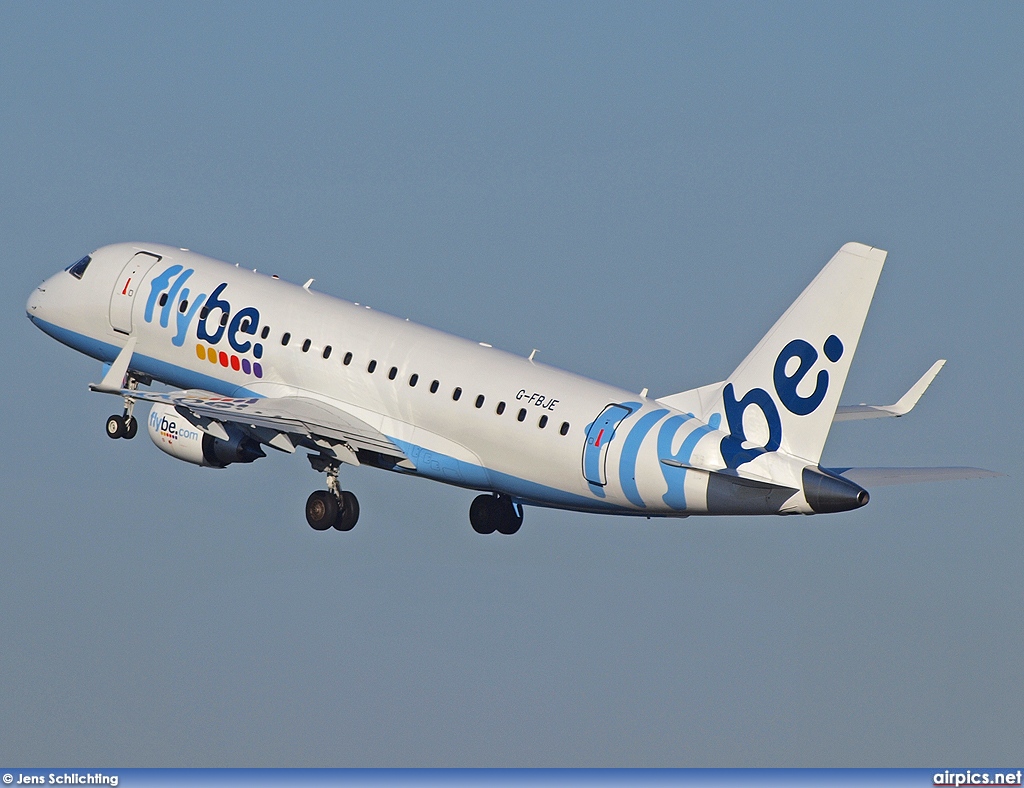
(252, 362)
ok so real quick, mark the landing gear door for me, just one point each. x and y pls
(595, 453)
(125, 288)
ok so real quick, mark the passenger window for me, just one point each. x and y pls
(348, 359)
(543, 421)
(457, 393)
(392, 373)
(522, 414)
(414, 380)
(371, 366)
(500, 409)
(565, 428)
(224, 319)
(434, 386)
(305, 345)
(203, 313)
(286, 338)
(480, 401)
(265, 333)
(327, 351)
(163, 299)
(183, 306)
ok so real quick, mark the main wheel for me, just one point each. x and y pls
(131, 427)
(349, 513)
(116, 427)
(483, 515)
(510, 520)
(321, 510)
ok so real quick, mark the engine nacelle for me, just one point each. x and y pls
(176, 436)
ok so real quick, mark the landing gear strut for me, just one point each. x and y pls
(333, 507)
(490, 513)
(126, 425)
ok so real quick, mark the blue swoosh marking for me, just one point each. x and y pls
(630, 450)
(675, 478)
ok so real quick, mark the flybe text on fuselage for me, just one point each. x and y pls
(217, 321)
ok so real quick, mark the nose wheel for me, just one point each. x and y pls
(333, 507)
(490, 513)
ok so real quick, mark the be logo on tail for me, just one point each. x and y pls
(793, 364)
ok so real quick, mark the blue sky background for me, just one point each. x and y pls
(638, 190)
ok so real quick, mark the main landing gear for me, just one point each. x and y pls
(333, 507)
(126, 425)
(490, 513)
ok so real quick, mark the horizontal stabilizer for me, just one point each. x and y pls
(905, 404)
(884, 477)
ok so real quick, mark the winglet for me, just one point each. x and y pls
(905, 404)
(113, 381)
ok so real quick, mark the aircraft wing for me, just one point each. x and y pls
(277, 421)
(905, 404)
(883, 477)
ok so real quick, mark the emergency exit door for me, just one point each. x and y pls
(595, 452)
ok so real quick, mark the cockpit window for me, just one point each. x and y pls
(77, 269)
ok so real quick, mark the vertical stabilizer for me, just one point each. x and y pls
(785, 393)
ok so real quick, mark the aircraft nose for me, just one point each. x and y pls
(40, 300)
(33, 306)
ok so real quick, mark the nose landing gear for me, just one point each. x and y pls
(333, 507)
(490, 513)
(126, 425)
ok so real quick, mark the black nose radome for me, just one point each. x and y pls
(825, 492)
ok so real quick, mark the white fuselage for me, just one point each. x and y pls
(548, 438)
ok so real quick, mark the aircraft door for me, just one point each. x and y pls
(595, 452)
(127, 284)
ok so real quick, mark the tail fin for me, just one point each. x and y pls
(796, 373)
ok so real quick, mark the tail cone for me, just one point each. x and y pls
(825, 492)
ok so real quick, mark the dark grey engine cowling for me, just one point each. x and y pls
(238, 448)
(827, 493)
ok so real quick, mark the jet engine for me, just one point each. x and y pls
(176, 436)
